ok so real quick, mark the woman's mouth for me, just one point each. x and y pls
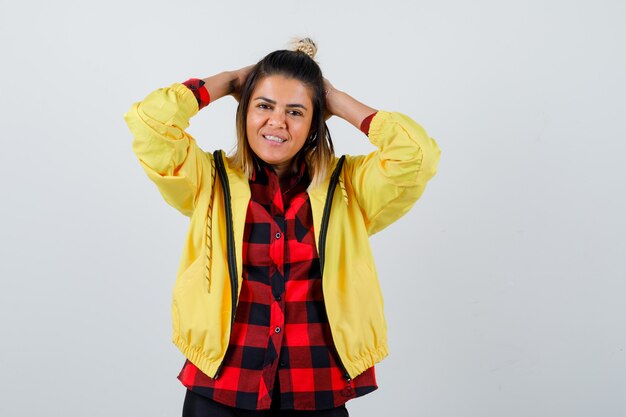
(275, 139)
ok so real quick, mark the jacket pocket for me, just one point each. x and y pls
(193, 271)
(181, 288)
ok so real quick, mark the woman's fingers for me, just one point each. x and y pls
(328, 93)
(239, 80)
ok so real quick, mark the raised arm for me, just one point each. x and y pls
(226, 83)
(346, 107)
(388, 181)
(168, 154)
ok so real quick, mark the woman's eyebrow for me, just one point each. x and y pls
(274, 102)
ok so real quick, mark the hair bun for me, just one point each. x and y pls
(305, 45)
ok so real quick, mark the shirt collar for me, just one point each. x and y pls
(262, 170)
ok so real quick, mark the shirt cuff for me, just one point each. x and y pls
(199, 91)
(365, 124)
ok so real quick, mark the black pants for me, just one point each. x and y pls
(197, 405)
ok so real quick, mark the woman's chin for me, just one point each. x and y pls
(272, 157)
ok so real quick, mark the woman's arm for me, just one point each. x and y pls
(226, 83)
(345, 106)
(388, 181)
(167, 153)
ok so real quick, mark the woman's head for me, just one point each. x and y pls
(280, 116)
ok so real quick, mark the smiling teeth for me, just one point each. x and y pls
(274, 138)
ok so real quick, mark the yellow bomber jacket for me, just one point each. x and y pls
(372, 192)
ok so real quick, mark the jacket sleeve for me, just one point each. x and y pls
(387, 182)
(168, 154)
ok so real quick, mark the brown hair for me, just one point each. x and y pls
(318, 150)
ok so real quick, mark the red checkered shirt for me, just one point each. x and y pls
(281, 353)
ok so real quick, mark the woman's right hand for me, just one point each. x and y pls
(239, 80)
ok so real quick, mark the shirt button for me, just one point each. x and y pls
(348, 391)
(277, 235)
(278, 298)
(277, 329)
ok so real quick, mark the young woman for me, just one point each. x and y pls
(277, 305)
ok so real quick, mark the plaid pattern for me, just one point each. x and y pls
(281, 352)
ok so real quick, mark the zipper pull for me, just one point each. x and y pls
(348, 391)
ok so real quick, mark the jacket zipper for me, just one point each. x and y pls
(230, 242)
(232, 261)
(324, 231)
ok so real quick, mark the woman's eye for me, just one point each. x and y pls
(295, 113)
(263, 106)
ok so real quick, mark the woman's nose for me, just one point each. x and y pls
(277, 119)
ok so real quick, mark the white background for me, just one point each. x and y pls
(504, 286)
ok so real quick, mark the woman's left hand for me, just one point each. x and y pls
(344, 106)
(329, 89)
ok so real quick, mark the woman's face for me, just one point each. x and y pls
(278, 120)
